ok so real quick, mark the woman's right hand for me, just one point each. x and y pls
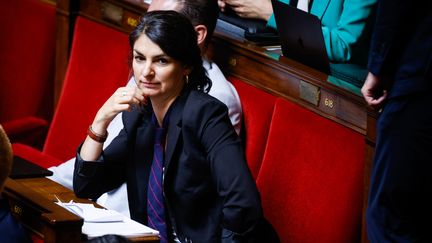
(123, 99)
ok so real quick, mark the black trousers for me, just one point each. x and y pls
(399, 207)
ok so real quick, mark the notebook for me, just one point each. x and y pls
(22, 168)
(301, 36)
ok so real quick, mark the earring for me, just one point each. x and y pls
(187, 79)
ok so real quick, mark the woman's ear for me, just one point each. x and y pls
(187, 71)
(201, 34)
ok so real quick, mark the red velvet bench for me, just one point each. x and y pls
(309, 169)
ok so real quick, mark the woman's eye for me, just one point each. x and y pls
(163, 61)
(139, 58)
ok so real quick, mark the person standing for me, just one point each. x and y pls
(399, 82)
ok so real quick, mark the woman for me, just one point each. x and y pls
(208, 190)
(346, 24)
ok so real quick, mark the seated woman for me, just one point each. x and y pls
(178, 152)
(346, 24)
(346, 28)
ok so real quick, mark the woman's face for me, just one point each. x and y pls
(158, 75)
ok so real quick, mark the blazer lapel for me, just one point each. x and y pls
(143, 156)
(174, 128)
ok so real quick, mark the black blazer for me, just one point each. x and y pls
(207, 184)
(401, 45)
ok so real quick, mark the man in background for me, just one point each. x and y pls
(400, 82)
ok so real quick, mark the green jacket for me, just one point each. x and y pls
(346, 26)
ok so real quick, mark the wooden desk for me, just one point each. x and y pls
(32, 201)
(38, 213)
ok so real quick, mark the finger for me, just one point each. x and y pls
(242, 11)
(369, 100)
(381, 99)
(122, 107)
(377, 103)
(237, 10)
(126, 95)
(139, 94)
(136, 101)
(233, 2)
(221, 5)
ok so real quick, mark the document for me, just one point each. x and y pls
(91, 214)
(126, 228)
(99, 221)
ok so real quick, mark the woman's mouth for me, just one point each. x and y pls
(149, 85)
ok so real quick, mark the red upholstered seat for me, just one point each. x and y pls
(27, 49)
(257, 107)
(311, 179)
(98, 65)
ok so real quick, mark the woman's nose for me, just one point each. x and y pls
(147, 70)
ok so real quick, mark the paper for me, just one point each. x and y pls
(90, 213)
(126, 228)
(98, 221)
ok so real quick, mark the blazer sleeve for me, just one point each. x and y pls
(93, 178)
(350, 28)
(229, 171)
(389, 33)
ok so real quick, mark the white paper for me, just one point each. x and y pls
(98, 221)
(90, 213)
(127, 228)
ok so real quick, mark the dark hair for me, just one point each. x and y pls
(203, 12)
(177, 38)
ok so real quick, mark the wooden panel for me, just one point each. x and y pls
(41, 215)
(284, 77)
(120, 15)
(36, 209)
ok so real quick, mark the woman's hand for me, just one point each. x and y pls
(253, 9)
(123, 99)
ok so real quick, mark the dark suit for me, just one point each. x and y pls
(207, 183)
(400, 208)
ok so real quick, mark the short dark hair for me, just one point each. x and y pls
(203, 12)
(177, 38)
